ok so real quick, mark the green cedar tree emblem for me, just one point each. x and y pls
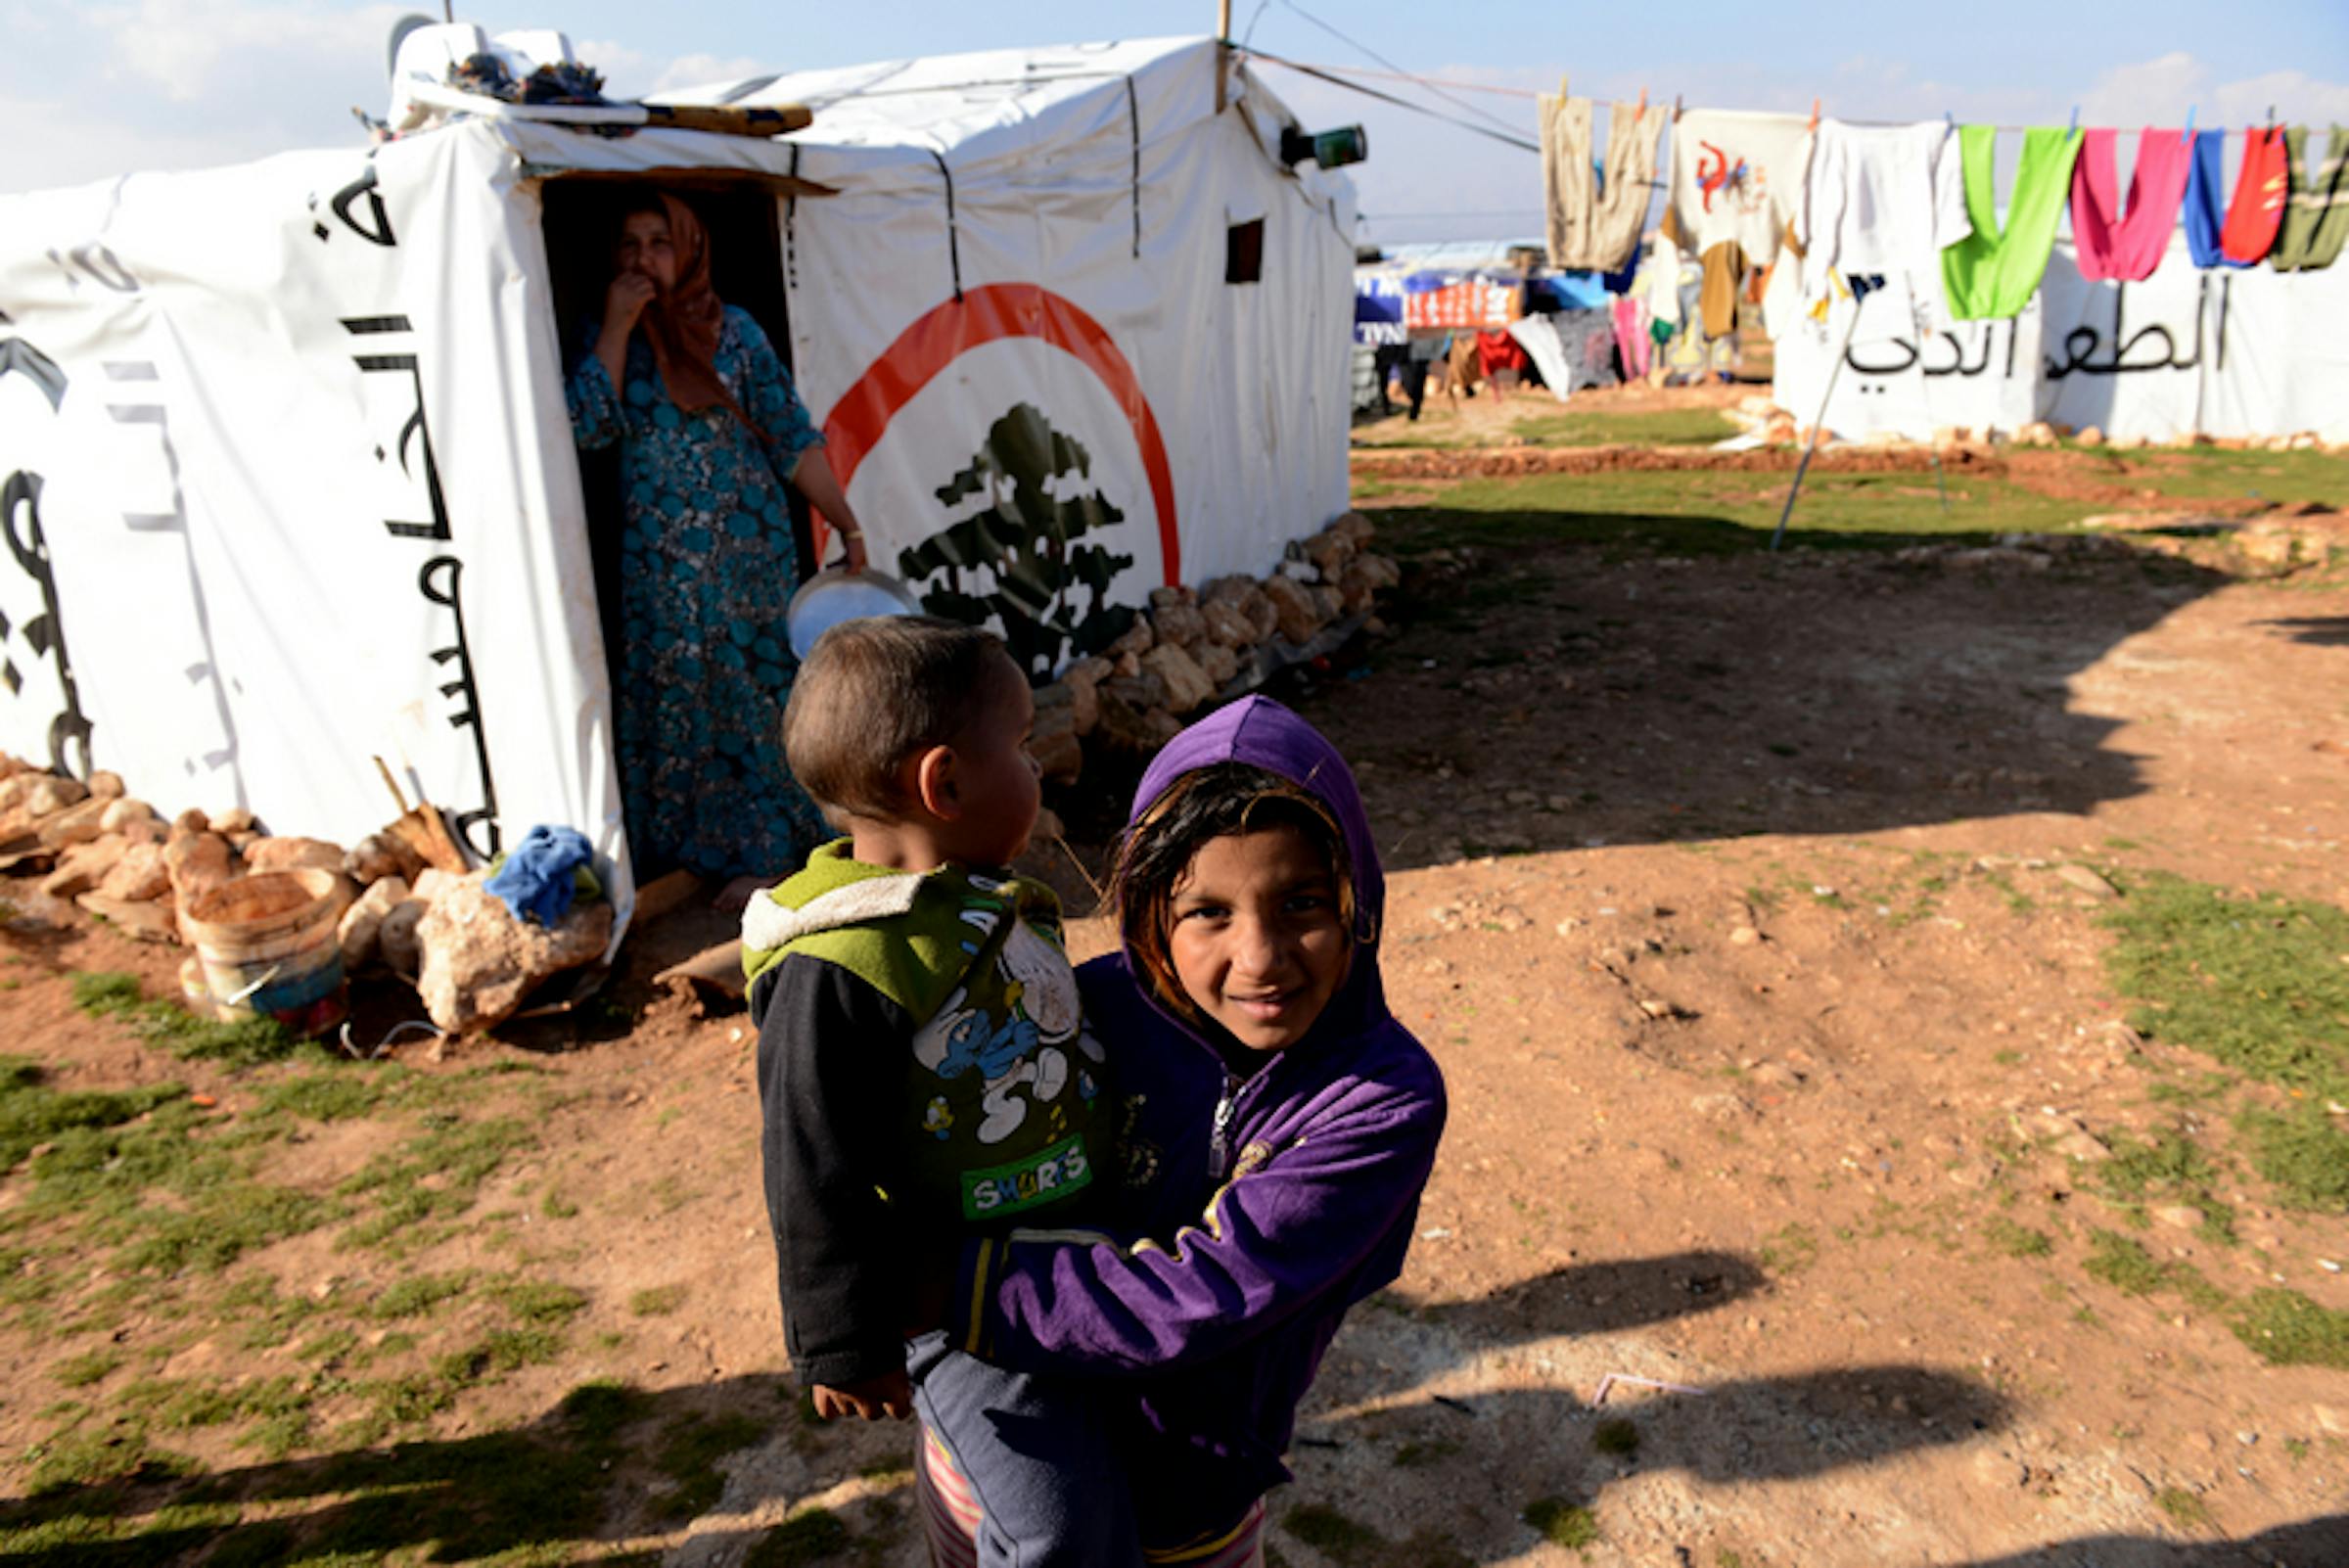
(1017, 558)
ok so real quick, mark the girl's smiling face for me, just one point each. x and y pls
(1257, 935)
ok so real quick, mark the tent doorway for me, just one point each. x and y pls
(581, 218)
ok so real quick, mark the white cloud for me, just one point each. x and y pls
(192, 49)
(706, 70)
(2160, 91)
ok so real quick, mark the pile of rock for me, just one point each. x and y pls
(1194, 647)
(1757, 415)
(433, 926)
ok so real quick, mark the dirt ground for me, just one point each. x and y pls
(1743, 900)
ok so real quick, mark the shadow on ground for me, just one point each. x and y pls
(1565, 679)
(2310, 1544)
(608, 1462)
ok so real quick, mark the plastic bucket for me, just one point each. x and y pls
(265, 947)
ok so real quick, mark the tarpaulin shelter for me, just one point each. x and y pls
(290, 482)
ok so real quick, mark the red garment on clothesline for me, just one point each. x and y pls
(2260, 192)
(1498, 350)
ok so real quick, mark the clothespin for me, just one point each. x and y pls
(1643, 109)
(2075, 129)
(1814, 114)
(1675, 108)
(1949, 119)
(2190, 124)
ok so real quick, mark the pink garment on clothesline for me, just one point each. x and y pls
(2127, 246)
(1630, 335)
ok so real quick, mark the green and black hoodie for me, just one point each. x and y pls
(923, 1073)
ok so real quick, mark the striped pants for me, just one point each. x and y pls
(950, 1519)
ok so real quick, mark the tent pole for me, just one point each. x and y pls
(1223, 20)
(1804, 467)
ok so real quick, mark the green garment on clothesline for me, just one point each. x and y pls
(2316, 215)
(1989, 275)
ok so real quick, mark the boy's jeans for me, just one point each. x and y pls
(1036, 1454)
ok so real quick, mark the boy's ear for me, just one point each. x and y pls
(935, 785)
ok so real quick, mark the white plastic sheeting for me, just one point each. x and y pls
(291, 482)
(2232, 353)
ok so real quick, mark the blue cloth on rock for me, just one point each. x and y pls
(536, 882)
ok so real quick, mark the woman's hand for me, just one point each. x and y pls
(855, 544)
(813, 477)
(624, 302)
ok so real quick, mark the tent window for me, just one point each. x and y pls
(1244, 251)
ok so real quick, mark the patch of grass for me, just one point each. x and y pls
(1671, 427)
(1790, 1250)
(418, 1294)
(32, 1114)
(2185, 1510)
(90, 1366)
(688, 1454)
(657, 1301)
(1416, 1455)
(168, 1026)
(2172, 1166)
(1615, 1436)
(535, 1301)
(338, 1096)
(2287, 1329)
(2015, 1240)
(2255, 982)
(2122, 1263)
(809, 1537)
(2305, 1154)
(1339, 1537)
(434, 1175)
(1563, 1523)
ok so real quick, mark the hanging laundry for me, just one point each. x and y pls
(2316, 220)
(2260, 189)
(2206, 201)
(1717, 299)
(1631, 342)
(1738, 178)
(1991, 274)
(1880, 198)
(1596, 226)
(2127, 245)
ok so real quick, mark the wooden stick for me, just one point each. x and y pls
(393, 785)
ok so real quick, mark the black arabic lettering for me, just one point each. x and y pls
(23, 360)
(97, 262)
(340, 203)
(440, 582)
(45, 633)
(2082, 343)
(413, 433)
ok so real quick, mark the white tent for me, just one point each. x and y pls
(2185, 352)
(290, 482)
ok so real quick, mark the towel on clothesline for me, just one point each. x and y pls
(1880, 198)
(1595, 226)
(1738, 178)
(1991, 273)
(2128, 245)
(2316, 219)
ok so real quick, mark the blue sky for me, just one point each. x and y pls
(99, 88)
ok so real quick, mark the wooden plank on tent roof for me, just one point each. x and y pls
(700, 178)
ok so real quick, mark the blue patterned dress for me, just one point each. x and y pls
(707, 568)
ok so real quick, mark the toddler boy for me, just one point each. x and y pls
(922, 1069)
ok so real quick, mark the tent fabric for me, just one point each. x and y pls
(1991, 273)
(2260, 190)
(2185, 352)
(2206, 201)
(2128, 244)
(1880, 198)
(1738, 176)
(1595, 226)
(302, 421)
(2316, 220)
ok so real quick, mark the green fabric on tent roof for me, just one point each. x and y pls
(2316, 215)
(1989, 275)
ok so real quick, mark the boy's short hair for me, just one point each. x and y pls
(874, 692)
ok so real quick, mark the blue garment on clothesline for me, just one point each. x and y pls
(2206, 200)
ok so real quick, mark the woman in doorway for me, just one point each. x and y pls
(710, 432)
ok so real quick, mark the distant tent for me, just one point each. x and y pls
(290, 482)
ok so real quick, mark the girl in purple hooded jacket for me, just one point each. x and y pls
(1278, 1126)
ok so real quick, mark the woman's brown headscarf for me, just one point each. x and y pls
(682, 325)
